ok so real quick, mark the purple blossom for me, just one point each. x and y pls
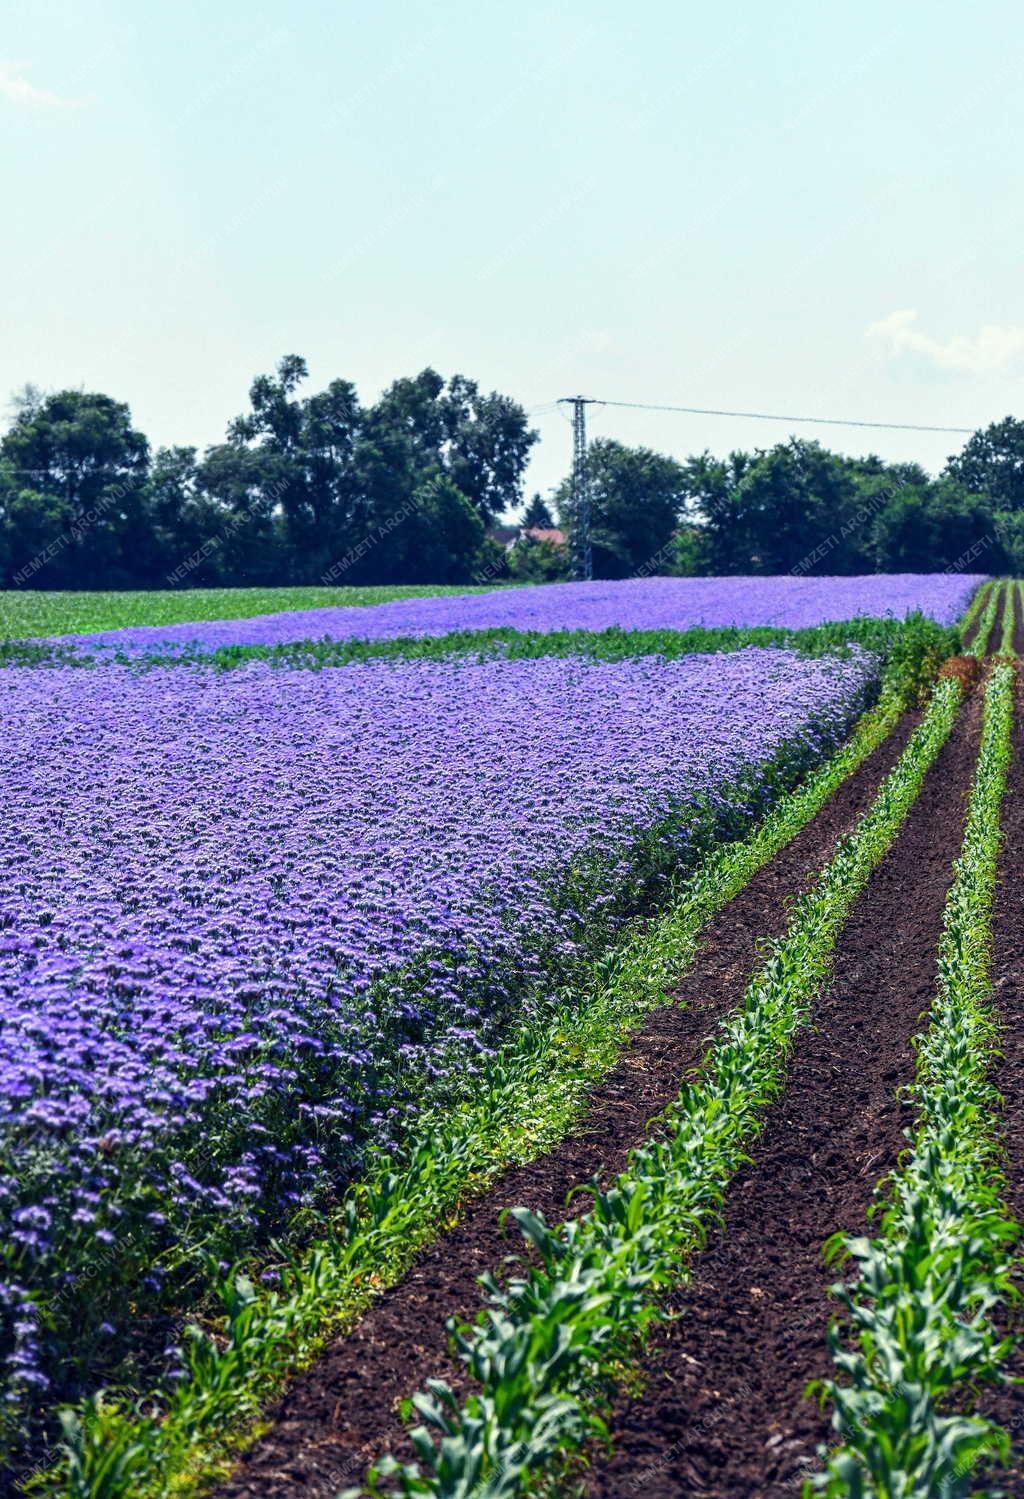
(254, 911)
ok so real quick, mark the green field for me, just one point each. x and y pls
(33, 612)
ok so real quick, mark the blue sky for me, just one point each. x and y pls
(796, 207)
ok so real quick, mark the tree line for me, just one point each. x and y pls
(305, 489)
(320, 488)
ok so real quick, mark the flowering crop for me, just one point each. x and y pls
(634, 604)
(244, 917)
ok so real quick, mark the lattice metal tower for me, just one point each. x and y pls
(582, 557)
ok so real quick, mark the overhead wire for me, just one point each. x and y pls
(767, 416)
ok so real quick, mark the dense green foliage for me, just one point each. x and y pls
(919, 1321)
(636, 500)
(992, 463)
(797, 507)
(315, 489)
(321, 489)
(800, 508)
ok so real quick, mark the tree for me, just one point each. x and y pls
(1008, 531)
(537, 516)
(636, 497)
(709, 488)
(688, 557)
(538, 560)
(795, 507)
(992, 464)
(489, 442)
(189, 527)
(297, 474)
(72, 479)
(439, 539)
(926, 528)
(795, 501)
(481, 442)
(244, 485)
(311, 488)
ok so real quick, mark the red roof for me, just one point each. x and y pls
(547, 533)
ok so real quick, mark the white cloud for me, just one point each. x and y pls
(16, 87)
(994, 347)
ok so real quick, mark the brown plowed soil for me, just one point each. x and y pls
(723, 1411)
(342, 1412)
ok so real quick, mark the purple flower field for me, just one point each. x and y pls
(247, 918)
(635, 604)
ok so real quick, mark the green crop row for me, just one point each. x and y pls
(918, 1320)
(1005, 647)
(1014, 602)
(980, 644)
(534, 1090)
(548, 1348)
(882, 636)
(976, 605)
(909, 651)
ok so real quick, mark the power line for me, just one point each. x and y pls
(766, 416)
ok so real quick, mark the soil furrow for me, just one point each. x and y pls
(723, 1411)
(342, 1412)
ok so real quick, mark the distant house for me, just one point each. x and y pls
(507, 536)
(551, 534)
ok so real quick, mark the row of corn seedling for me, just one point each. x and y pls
(533, 1092)
(977, 604)
(549, 1345)
(980, 644)
(919, 1324)
(1005, 646)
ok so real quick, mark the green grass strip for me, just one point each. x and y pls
(548, 1349)
(534, 1091)
(918, 1323)
(25, 612)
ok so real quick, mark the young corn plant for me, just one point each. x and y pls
(1006, 637)
(980, 644)
(549, 1346)
(918, 1322)
(976, 605)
